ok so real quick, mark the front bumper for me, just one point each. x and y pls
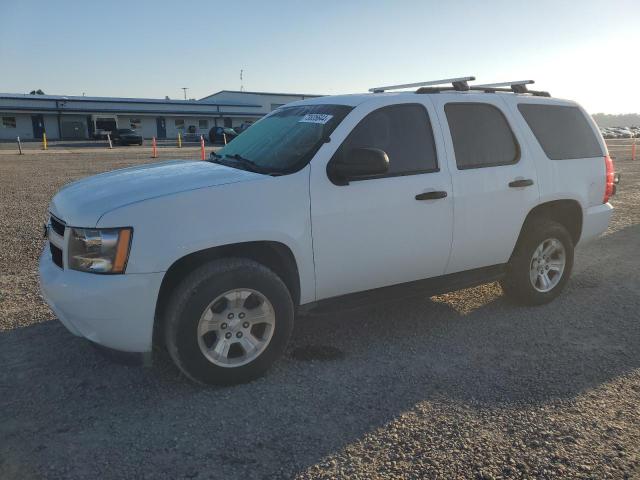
(116, 311)
(595, 222)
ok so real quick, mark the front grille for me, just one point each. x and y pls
(56, 255)
(56, 237)
(57, 226)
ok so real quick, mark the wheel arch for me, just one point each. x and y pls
(274, 255)
(566, 212)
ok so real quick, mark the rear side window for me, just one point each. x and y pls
(562, 131)
(403, 132)
(481, 136)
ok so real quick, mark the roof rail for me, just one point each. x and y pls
(517, 86)
(459, 84)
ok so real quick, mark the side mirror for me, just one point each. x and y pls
(358, 164)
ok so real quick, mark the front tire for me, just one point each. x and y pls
(541, 263)
(228, 321)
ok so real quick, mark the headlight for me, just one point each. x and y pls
(104, 250)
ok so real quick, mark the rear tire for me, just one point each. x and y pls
(228, 321)
(541, 263)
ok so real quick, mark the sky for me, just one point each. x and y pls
(585, 50)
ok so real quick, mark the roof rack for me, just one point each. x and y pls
(517, 86)
(459, 84)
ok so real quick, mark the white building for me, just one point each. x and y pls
(77, 118)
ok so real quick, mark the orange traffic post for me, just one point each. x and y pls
(154, 148)
(202, 147)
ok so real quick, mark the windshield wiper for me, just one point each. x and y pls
(240, 161)
(248, 164)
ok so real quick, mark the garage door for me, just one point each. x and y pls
(73, 130)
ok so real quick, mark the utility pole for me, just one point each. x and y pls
(241, 85)
(185, 92)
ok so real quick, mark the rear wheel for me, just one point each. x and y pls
(228, 321)
(541, 263)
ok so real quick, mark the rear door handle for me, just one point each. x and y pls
(431, 195)
(521, 183)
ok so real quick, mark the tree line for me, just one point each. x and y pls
(624, 120)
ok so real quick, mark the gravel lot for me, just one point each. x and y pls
(463, 385)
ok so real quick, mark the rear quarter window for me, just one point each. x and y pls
(563, 132)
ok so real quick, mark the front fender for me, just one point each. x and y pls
(168, 228)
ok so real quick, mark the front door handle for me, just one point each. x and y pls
(431, 195)
(521, 183)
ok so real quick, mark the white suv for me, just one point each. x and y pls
(337, 200)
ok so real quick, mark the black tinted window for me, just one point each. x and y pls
(481, 135)
(563, 132)
(403, 132)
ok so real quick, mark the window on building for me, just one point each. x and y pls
(481, 136)
(106, 124)
(403, 132)
(9, 122)
(203, 124)
(179, 124)
(562, 131)
(135, 123)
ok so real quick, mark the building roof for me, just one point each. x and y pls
(305, 95)
(152, 101)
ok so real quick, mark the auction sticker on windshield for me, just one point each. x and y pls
(321, 118)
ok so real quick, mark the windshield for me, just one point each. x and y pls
(285, 140)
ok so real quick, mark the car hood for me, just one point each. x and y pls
(82, 203)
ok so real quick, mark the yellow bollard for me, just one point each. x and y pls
(179, 140)
(44, 141)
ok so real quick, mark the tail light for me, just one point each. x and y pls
(610, 184)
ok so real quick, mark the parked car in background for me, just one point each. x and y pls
(127, 136)
(193, 135)
(243, 126)
(625, 133)
(218, 134)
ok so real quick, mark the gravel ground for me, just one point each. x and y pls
(463, 385)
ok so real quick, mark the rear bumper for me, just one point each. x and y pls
(595, 222)
(115, 311)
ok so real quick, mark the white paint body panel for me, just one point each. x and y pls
(374, 233)
(344, 239)
(488, 214)
(116, 311)
(168, 227)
